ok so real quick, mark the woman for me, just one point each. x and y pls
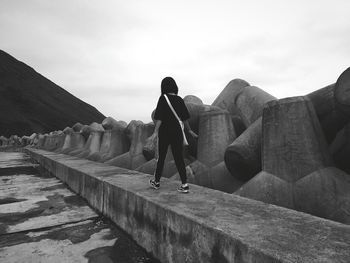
(169, 131)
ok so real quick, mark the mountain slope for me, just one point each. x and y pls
(29, 102)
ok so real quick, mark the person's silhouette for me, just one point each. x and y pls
(169, 131)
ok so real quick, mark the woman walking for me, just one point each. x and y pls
(170, 109)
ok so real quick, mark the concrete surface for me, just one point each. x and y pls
(42, 221)
(298, 170)
(206, 225)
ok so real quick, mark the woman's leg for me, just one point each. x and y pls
(176, 148)
(162, 150)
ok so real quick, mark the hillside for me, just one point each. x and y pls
(29, 102)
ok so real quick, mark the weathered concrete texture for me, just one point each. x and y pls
(150, 149)
(243, 156)
(41, 140)
(216, 177)
(211, 226)
(77, 127)
(216, 132)
(227, 97)
(93, 241)
(293, 141)
(67, 139)
(137, 132)
(110, 124)
(114, 141)
(193, 99)
(3, 141)
(195, 111)
(148, 167)
(340, 149)
(15, 159)
(74, 141)
(33, 228)
(330, 115)
(11, 163)
(93, 143)
(55, 141)
(238, 125)
(297, 170)
(86, 133)
(250, 103)
(30, 202)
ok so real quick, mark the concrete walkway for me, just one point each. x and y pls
(202, 226)
(42, 221)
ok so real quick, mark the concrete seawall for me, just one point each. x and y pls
(203, 226)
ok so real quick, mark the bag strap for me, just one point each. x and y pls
(171, 107)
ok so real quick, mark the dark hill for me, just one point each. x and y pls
(29, 102)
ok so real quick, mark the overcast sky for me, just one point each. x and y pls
(114, 54)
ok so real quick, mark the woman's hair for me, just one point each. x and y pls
(169, 86)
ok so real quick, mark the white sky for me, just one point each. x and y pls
(114, 54)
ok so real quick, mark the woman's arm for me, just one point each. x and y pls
(156, 129)
(188, 128)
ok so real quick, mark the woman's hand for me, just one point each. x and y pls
(193, 134)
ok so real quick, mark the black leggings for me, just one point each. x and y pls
(176, 143)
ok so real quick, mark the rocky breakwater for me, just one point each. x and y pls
(250, 144)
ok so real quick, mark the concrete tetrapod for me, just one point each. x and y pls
(328, 110)
(114, 141)
(55, 141)
(3, 140)
(195, 111)
(227, 97)
(74, 141)
(77, 127)
(24, 140)
(340, 149)
(137, 133)
(47, 142)
(41, 140)
(150, 152)
(95, 140)
(35, 140)
(32, 138)
(342, 92)
(67, 139)
(215, 133)
(50, 141)
(150, 149)
(297, 168)
(86, 132)
(250, 103)
(193, 99)
(243, 157)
